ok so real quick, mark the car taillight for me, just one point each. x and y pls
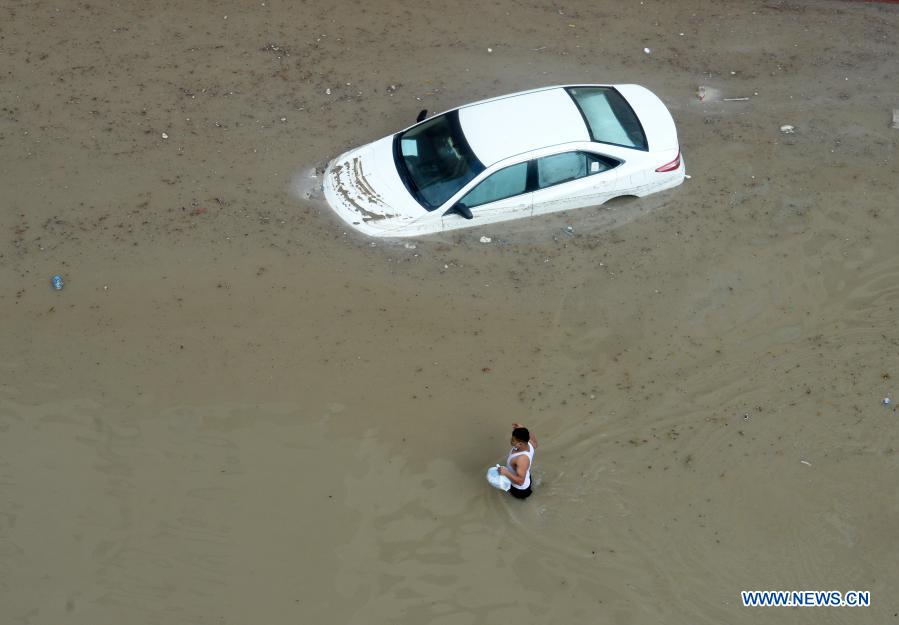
(672, 165)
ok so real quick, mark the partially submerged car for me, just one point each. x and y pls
(524, 154)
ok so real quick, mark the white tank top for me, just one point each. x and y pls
(527, 477)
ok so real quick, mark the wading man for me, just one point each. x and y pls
(518, 465)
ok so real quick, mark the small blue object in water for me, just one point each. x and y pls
(57, 282)
(498, 480)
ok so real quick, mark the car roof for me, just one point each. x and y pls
(503, 127)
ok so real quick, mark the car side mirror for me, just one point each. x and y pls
(460, 209)
(421, 115)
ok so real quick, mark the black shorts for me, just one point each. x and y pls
(520, 493)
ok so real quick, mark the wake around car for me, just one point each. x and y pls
(524, 154)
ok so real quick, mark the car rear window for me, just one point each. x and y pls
(609, 116)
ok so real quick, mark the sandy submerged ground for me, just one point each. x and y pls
(237, 412)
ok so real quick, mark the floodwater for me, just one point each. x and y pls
(238, 412)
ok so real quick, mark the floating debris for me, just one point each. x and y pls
(707, 93)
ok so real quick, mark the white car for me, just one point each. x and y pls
(524, 154)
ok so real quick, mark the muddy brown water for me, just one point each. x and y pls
(238, 412)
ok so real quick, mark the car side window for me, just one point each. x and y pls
(505, 183)
(559, 168)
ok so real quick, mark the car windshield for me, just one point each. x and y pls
(609, 116)
(435, 160)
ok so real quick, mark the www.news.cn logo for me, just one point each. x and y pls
(805, 598)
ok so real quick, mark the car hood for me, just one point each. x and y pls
(365, 190)
(661, 134)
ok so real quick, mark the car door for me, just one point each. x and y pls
(573, 180)
(500, 196)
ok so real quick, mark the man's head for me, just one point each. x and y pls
(521, 435)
